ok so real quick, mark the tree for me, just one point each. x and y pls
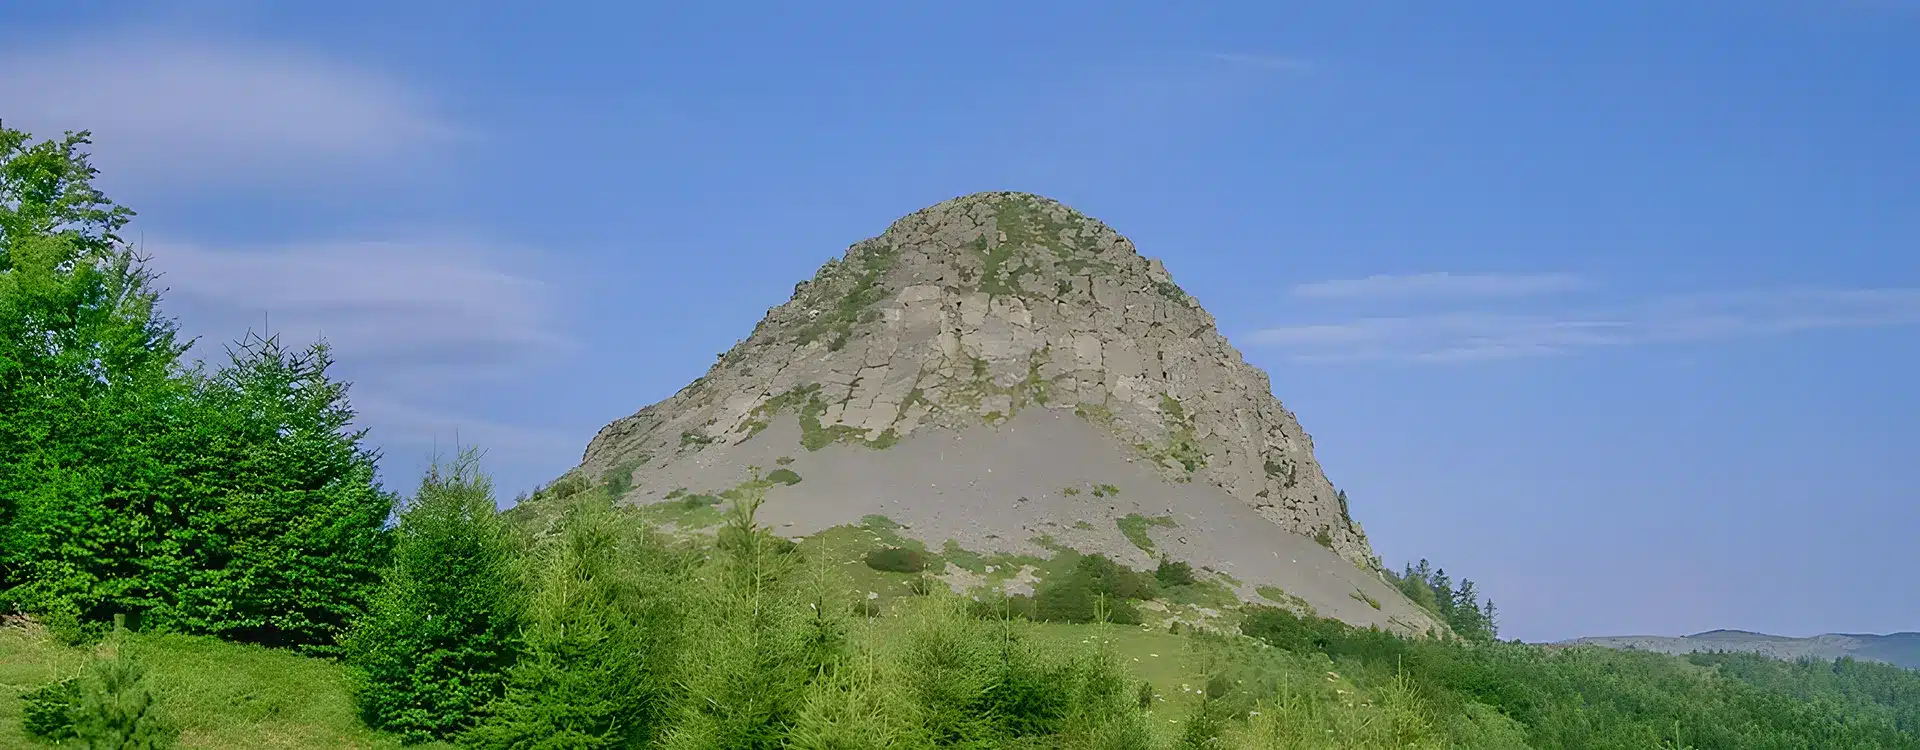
(283, 537)
(595, 668)
(441, 633)
(86, 385)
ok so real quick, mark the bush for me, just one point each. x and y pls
(47, 712)
(116, 709)
(1172, 573)
(897, 560)
(1116, 580)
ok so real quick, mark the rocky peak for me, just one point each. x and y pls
(975, 308)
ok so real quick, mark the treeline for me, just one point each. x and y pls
(1590, 697)
(1865, 691)
(1460, 608)
(232, 500)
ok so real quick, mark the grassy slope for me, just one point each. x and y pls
(224, 695)
(228, 695)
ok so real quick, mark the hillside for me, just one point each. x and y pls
(1899, 649)
(1003, 375)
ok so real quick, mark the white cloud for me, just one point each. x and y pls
(1467, 336)
(403, 422)
(424, 329)
(1267, 62)
(1441, 284)
(412, 303)
(188, 109)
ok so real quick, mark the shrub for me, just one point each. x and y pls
(115, 708)
(784, 476)
(47, 712)
(1173, 573)
(897, 560)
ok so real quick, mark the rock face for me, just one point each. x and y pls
(979, 307)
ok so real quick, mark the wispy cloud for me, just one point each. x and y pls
(190, 109)
(1468, 336)
(423, 328)
(1266, 62)
(407, 302)
(1440, 285)
(405, 422)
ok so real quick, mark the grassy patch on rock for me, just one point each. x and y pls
(1135, 527)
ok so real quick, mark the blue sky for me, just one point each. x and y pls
(1609, 306)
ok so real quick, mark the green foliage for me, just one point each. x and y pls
(1572, 697)
(1173, 572)
(88, 391)
(897, 560)
(1864, 691)
(116, 709)
(48, 710)
(444, 628)
(286, 541)
(1460, 608)
(762, 636)
(595, 670)
(784, 476)
(1134, 526)
(1096, 589)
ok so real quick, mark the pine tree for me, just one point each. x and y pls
(764, 633)
(116, 709)
(438, 639)
(596, 666)
(281, 536)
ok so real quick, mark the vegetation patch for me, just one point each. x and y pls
(1171, 573)
(1280, 596)
(897, 560)
(1135, 527)
(618, 478)
(784, 476)
(1362, 597)
(1284, 470)
(805, 402)
(855, 283)
(1183, 442)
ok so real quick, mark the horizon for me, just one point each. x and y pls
(1603, 308)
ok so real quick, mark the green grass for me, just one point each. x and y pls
(1135, 527)
(1280, 596)
(223, 695)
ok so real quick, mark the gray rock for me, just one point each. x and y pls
(983, 308)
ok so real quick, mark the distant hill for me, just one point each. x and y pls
(1900, 649)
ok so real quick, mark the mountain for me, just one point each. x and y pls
(1000, 374)
(1900, 649)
